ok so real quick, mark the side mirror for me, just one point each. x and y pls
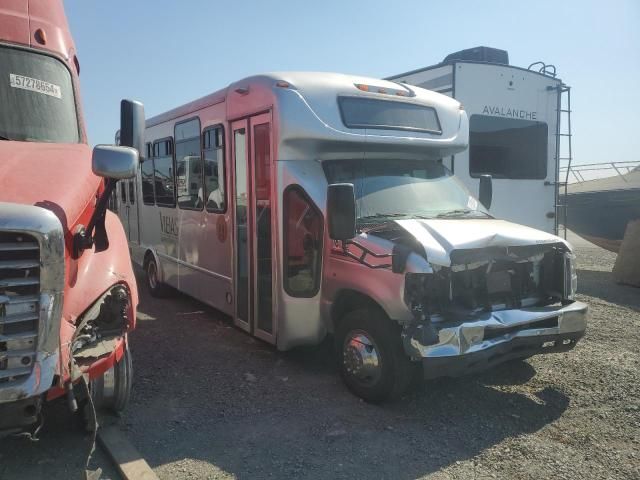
(341, 211)
(113, 162)
(486, 191)
(132, 125)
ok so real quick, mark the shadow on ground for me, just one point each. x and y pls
(209, 393)
(209, 399)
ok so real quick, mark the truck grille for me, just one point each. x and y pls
(19, 304)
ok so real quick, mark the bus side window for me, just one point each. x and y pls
(214, 179)
(303, 230)
(189, 165)
(164, 175)
(113, 200)
(123, 192)
(146, 174)
(132, 192)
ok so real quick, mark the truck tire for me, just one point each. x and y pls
(371, 357)
(156, 287)
(112, 390)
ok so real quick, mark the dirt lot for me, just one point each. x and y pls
(211, 402)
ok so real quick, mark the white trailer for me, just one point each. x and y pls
(514, 130)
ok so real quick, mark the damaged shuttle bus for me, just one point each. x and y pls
(321, 205)
(68, 295)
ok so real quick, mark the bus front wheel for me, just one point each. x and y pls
(371, 357)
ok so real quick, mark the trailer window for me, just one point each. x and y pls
(303, 226)
(189, 165)
(358, 112)
(214, 180)
(164, 175)
(507, 147)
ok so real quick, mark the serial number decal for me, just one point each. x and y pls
(35, 85)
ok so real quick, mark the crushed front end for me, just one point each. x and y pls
(491, 305)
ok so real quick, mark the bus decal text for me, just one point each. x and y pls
(168, 225)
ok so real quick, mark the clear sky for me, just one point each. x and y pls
(166, 53)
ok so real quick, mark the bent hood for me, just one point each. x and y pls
(440, 237)
(53, 176)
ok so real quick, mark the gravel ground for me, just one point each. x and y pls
(211, 402)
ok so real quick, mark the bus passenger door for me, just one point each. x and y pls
(132, 212)
(122, 205)
(253, 252)
(242, 316)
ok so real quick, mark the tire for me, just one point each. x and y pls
(112, 390)
(154, 285)
(371, 357)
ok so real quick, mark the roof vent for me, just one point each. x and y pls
(479, 54)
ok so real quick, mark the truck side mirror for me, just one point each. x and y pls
(486, 191)
(132, 125)
(341, 211)
(116, 163)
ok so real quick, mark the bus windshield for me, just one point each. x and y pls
(36, 94)
(387, 189)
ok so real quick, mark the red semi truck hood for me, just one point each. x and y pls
(54, 176)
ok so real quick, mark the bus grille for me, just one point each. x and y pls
(19, 304)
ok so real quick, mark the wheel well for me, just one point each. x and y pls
(147, 256)
(348, 301)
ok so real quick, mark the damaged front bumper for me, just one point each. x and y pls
(494, 337)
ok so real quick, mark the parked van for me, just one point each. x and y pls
(334, 213)
(68, 295)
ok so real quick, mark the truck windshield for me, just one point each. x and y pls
(36, 98)
(388, 189)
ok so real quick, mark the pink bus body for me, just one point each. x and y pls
(390, 281)
(55, 300)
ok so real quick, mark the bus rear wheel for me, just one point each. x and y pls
(155, 286)
(371, 357)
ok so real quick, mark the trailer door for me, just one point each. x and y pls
(253, 252)
(512, 135)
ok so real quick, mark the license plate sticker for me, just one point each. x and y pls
(35, 85)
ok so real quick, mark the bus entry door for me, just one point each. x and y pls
(253, 241)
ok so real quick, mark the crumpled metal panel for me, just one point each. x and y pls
(440, 237)
(470, 336)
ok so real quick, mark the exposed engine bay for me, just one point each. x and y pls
(490, 279)
(484, 279)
